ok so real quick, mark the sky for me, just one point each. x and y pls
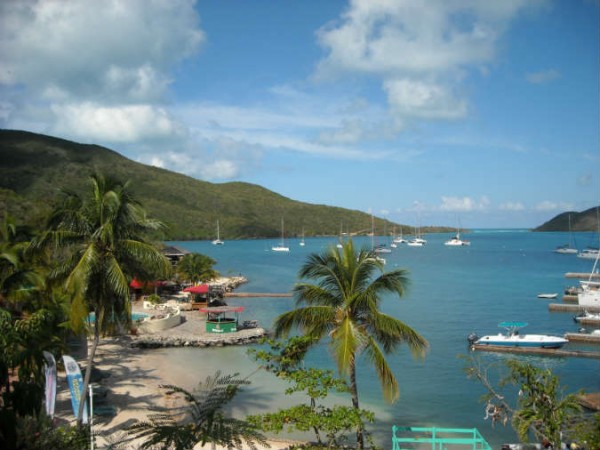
(478, 113)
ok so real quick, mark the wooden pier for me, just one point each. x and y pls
(582, 276)
(583, 338)
(258, 294)
(537, 351)
(561, 307)
(570, 298)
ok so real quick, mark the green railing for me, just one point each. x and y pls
(412, 438)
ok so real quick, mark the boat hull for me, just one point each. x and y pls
(527, 340)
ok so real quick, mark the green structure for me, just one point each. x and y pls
(411, 438)
(218, 319)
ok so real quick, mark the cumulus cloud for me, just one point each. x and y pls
(404, 42)
(96, 71)
(114, 50)
(463, 204)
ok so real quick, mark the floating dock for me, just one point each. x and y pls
(582, 276)
(257, 294)
(561, 307)
(537, 351)
(570, 298)
(583, 338)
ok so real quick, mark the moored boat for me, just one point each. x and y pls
(587, 316)
(512, 338)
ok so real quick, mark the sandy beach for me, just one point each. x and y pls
(131, 378)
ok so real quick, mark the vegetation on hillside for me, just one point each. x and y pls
(580, 221)
(36, 167)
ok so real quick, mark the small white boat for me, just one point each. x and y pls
(552, 295)
(218, 240)
(456, 241)
(302, 243)
(382, 249)
(587, 316)
(281, 248)
(567, 249)
(512, 338)
(588, 253)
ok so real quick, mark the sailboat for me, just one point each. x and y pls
(399, 239)
(281, 247)
(567, 249)
(456, 241)
(375, 249)
(218, 240)
(302, 243)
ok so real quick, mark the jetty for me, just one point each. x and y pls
(561, 307)
(537, 351)
(582, 276)
(583, 337)
(257, 294)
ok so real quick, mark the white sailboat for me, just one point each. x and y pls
(567, 249)
(398, 239)
(589, 293)
(218, 240)
(456, 241)
(375, 249)
(302, 243)
(282, 248)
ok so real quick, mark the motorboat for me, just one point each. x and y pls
(587, 316)
(382, 249)
(512, 338)
(589, 292)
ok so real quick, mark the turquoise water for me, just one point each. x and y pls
(454, 291)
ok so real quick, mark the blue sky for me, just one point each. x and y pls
(483, 112)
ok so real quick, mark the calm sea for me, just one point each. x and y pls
(453, 292)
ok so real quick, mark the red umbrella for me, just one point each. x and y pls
(199, 289)
(136, 284)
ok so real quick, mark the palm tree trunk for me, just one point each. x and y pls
(360, 439)
(88, 370)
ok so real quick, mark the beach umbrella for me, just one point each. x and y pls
(136, 284)
(198, 289)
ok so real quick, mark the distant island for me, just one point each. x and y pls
(579, 221)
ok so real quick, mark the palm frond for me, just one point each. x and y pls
(389, 384)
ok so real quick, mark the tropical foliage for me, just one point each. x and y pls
(330, 424)
(343, 304)
(541, 410)
(99, 246)
(195, 267)
(205, 421)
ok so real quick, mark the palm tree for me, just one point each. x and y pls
(196, 267)
(205, 421)
(344, 305)
(100, 246)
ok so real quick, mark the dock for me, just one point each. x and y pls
(537, 351)
(258, 294)
(582, 276)
(570, 298)
(561, 307)
(583, 338)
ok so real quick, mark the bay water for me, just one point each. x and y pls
(453, 291)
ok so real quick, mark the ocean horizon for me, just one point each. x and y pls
(453, 291)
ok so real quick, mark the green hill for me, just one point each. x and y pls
(35, 167)
(580, 221)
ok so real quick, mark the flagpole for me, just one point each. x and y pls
(91, 417)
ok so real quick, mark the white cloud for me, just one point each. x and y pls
(416, 48)
(409, 98)
(117, 50)
(463, 204)
(542, 77)
(131, 123)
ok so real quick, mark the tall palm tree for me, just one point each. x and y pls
(196, 267)
(343, 304)
(99, 238)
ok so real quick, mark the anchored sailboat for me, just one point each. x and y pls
(282, 248)
(218, 240)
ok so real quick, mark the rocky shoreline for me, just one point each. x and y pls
(241, 337)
